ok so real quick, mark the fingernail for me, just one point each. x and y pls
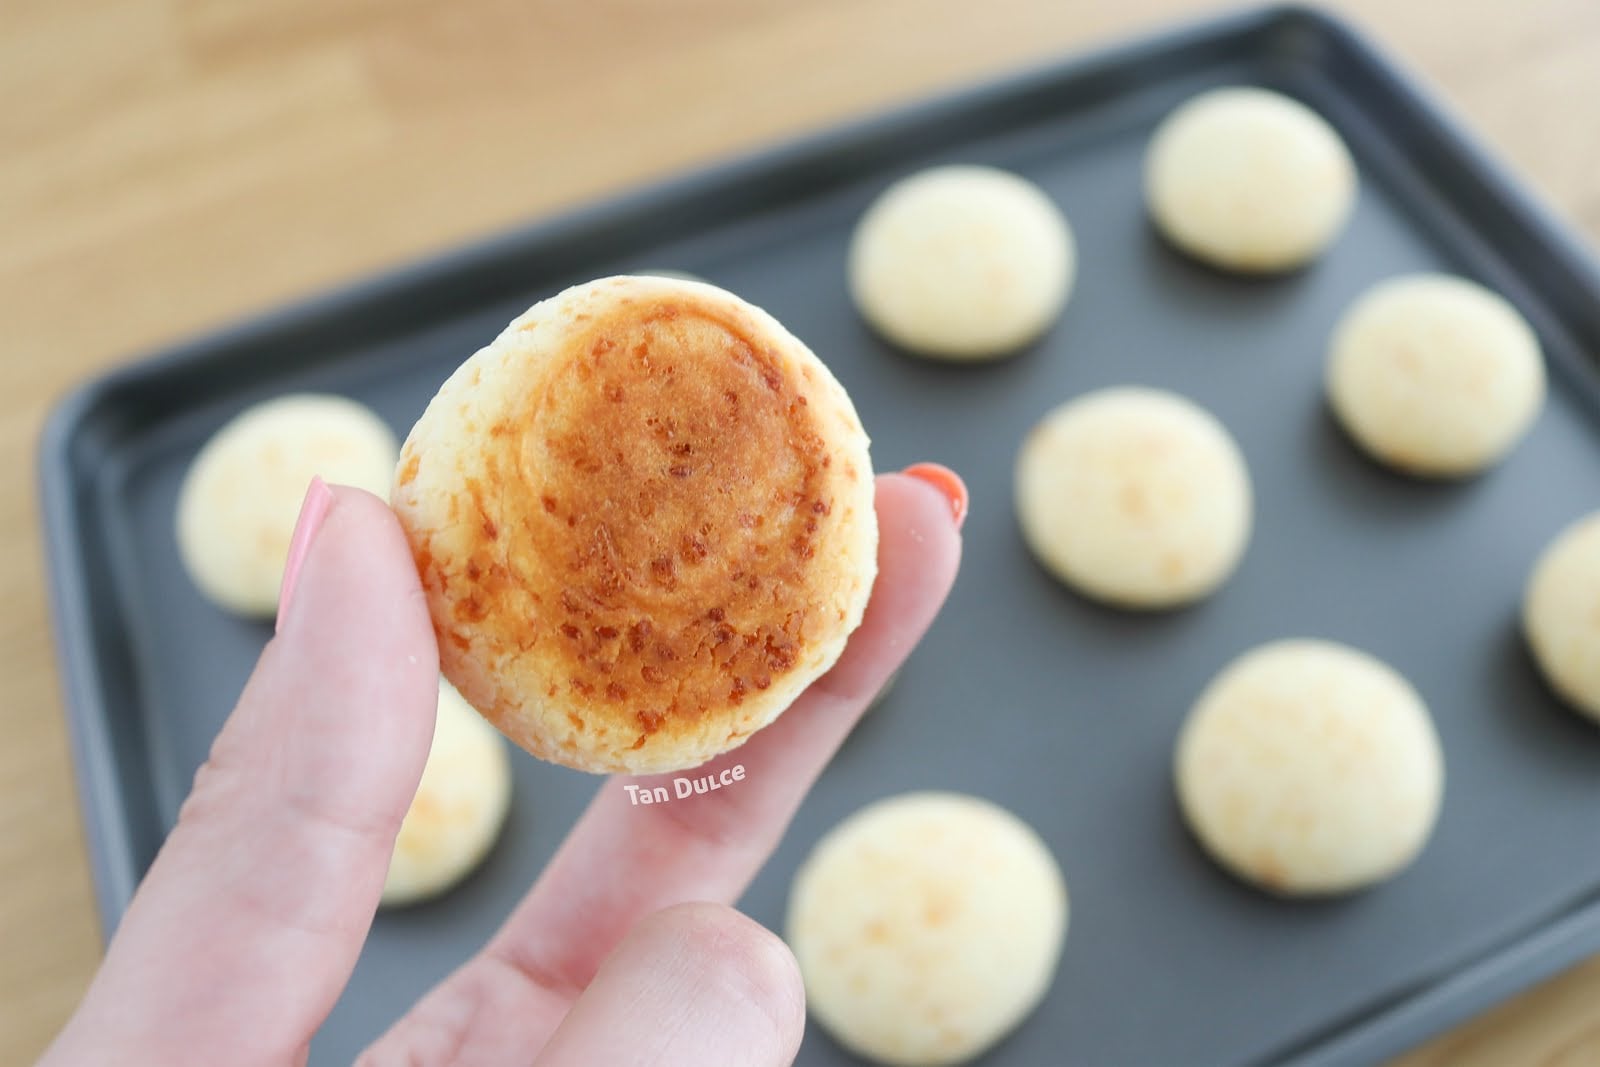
(319, 499)
(947, 482)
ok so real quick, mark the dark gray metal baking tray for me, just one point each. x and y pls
(1063, 711)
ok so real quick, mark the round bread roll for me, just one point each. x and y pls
(643, 518)
(962, 263)
(1248, 180)
(1308, 768)
(1135, 497)
(927, 926)
(1435, 375)
(1559, 617)
(241, 496)
(459, 807)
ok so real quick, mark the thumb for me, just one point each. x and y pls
(690, 985)
(249, 921)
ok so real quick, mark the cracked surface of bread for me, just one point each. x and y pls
(643, 518)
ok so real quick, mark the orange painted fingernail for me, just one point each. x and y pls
(947, 482)
(314, 510)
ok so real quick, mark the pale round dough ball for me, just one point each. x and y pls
(459, 807)
(1560, 618)
(1435, 375)
(1307, 768)
(1248, 180)
(962, 263)
(242, 493)
(1134, 496)
(927, 926)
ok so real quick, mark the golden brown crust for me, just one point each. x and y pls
(657, 523)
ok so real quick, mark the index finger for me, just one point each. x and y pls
(623, 861)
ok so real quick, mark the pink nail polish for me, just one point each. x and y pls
(319, 499)
(947, 482)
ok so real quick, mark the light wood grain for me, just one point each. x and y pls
(168, 165)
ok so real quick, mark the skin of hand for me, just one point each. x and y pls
(626, 949)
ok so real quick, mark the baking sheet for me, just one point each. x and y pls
(1063, 711)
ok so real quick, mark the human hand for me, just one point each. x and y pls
(249, 922)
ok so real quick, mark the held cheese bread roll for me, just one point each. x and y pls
(643, 518)
(241, 496)
(459, 807)
(927, 926)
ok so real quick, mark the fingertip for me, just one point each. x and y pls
(358, 583)
(691, 983)
(919, 553)
(919, 540)
(947, 483)
(934, 505)
(313, 511)
(756, 966)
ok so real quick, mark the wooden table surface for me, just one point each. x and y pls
(169, 165)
